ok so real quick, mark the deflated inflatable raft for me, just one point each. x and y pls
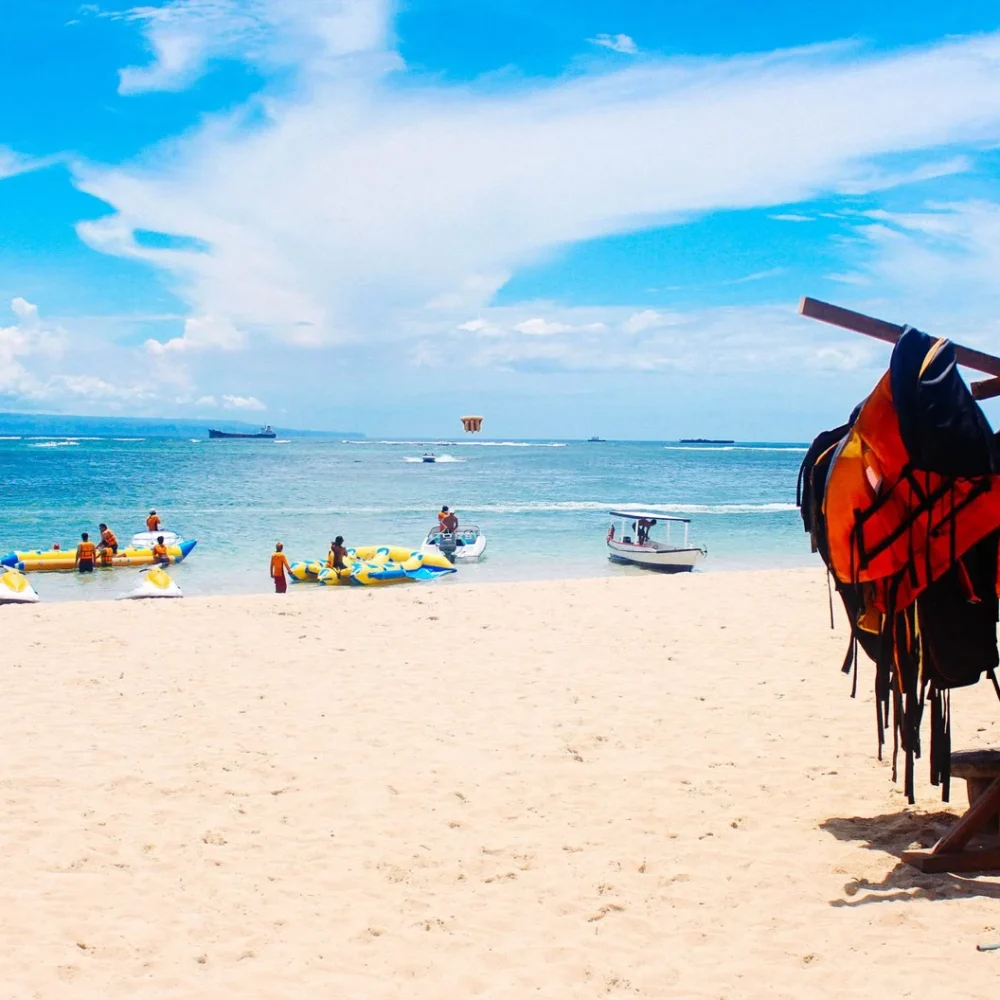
(375, 566)
(56, 559)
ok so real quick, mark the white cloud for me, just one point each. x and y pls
(185, 35)
(242, 403)
(206, 401)
(201, 333)
(538, 327)
(617, 43)
(474, 326)
(791, 217)
(361, 210)
(649, 319)
(12, 164)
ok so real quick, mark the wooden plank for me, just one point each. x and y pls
(970, 862)
(986, 389)
(847, 319)
(972, 821)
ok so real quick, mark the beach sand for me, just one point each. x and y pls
(640, 786)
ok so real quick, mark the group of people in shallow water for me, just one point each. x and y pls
(89, 554)
(281, 570)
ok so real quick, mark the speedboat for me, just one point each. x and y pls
(147, 539)
(465, 545)
(15, 589)
(429, 457)
(631, 542)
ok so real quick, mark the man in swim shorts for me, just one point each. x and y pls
(335, 557)
(86, 553)
(279, 567)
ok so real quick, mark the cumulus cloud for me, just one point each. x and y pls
(617, 43)
(201, 333)
(242, 403)
(538, 327)
(360, 210)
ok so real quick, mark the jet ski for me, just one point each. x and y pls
(155, 583)
(15, 589)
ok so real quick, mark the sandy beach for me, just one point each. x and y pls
(645, 786)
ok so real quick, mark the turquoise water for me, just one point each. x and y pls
(542, 505)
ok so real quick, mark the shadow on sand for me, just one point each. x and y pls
(894, 833)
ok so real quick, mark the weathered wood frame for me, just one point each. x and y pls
(847, 319)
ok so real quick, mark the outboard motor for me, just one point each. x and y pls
(447, 543)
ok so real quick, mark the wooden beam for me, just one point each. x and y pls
(986, 389)
(890, 333)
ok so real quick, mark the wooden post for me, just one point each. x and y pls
(847, 319)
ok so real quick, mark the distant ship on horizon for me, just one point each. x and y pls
(264, 434)
(706, 441)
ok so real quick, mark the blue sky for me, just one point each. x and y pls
(575, 217)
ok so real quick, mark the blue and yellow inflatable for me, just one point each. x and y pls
(375, 566)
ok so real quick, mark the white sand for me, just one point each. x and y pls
(643, 786)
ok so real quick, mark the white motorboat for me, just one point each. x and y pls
(15, 589)
(630, 541)
(465, 545)
(155, 583)
(147, 539)
(429, 456)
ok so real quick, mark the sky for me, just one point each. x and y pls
(578, 217)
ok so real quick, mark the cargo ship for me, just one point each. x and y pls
(264, 434)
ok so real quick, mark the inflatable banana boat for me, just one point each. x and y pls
(15, 589)
(56, 559)
(375, 566)
(155, 583)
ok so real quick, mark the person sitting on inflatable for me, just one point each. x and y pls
(153, 521)
(106, 554)
(108, 539)
(335, 557)
(160, 554)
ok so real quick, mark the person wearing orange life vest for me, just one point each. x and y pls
(279, 569)
(86, 553)
(161, 556)
(106, 556)
(108, 539)
(447, 521)
(153, 521)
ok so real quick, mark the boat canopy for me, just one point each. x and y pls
(634, 515)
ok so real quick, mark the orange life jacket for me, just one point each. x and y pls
(160, 551)
(106, 556)
(152, 523)
(108, 537)
(87, 551)
(279, 563)
(883, 517)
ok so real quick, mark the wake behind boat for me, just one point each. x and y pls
(630, 542)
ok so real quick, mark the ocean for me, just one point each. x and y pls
(542, 504)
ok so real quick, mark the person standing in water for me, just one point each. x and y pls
(280, 567)
(86, 553)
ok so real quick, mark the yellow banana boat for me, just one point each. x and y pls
(61, 559)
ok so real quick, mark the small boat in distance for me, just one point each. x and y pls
(595, 440)
(630, 542)
(705, 441)
(264, 434)
(429, 456)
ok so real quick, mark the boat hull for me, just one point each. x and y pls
(681, 560)
(226, 436)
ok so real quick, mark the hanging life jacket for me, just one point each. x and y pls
(903, 506)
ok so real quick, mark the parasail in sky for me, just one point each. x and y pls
(472, 425)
